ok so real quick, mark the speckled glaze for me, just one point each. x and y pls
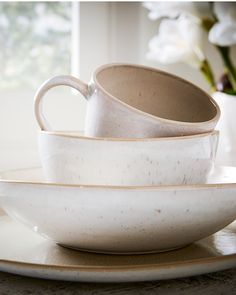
(119, 219)
(177, 160)
(136, 101)
(26, 253)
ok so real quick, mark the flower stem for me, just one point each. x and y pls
(224, 52)
(208, 74)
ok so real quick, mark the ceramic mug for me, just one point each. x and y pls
(136, 101)
(73, 159)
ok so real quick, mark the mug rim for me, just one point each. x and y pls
(65, 134)
(94, 80)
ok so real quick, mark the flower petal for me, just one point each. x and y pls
(170, 9)
(177, 41)
(165, 52)
(225, 11)
(223, 34)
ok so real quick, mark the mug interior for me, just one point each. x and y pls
(157, 93)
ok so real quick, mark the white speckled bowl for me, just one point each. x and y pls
(74, 159)
(120, 219)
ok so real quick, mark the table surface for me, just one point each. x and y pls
(223, 282)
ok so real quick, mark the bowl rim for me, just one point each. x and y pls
(66, 134)
(94, 81)
(175, 187)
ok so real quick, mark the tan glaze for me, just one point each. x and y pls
(136, 101)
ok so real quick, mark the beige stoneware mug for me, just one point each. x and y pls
(139, 102)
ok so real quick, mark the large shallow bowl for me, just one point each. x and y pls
(24, 252)
(76, 159)
(120, 219)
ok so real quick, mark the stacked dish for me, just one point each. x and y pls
(138, 180)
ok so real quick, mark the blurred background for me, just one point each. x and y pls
(41, 39)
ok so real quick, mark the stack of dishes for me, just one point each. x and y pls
(137, 181)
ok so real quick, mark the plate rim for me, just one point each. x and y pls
(145, 267)
(118, 268)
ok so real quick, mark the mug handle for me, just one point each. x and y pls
(65, 80)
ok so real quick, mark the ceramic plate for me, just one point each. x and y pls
(27, 253)
(123, 220)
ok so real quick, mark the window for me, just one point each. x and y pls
(34, 42)
(41, 39)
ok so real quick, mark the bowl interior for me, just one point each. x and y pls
(157, 93)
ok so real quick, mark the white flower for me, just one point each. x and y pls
(170, 9)
(223, 33)
(178, 40)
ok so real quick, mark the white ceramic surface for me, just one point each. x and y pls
(226, 154)
(121, 219)
(26, 253)
(75, 159)
(136, 101)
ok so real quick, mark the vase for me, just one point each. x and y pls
(226, 154)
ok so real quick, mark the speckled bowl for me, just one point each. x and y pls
(120, 219)
(74, 159)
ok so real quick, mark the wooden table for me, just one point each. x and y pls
(211, 284)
